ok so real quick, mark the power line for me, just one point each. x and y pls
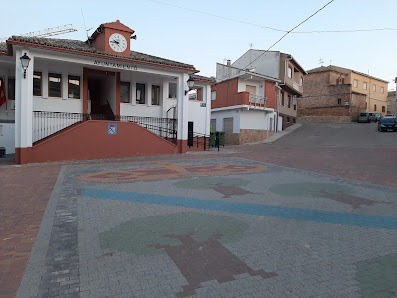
(305, 20)
(272, 28)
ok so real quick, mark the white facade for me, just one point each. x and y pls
(66, 64)
(261, 62)
(245, 117)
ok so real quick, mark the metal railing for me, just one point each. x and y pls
(163, 127)
(199, 140)
(48, 123)
(257, 101)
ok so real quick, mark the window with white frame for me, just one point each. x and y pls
(155, 95)
(172, 90)
(74, 87)
(355, 83)
(365, 85)
(37, 83)
(213, 95)
(140, 93)
(373, 87)
(54, 85)
(290, 72)
(125, 92)
(382, 90)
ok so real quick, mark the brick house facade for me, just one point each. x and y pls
(328, 97)
(243, 105)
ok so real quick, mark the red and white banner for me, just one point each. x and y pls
(2, 92)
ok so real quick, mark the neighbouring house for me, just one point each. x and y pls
(392, 103)
(337, 94)
(240, 101)
(283, 67)
(96, 99)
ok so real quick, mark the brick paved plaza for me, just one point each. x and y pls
(249, 221)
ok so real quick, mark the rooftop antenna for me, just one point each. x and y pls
(251, 45)
(85, 28)
(321, 61)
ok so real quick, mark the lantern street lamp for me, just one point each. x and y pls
(190, 84)
(25, 63)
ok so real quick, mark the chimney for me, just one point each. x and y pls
(229, 62)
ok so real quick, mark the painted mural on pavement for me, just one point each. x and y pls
(193, 241)
(166, 170)
(226, 186)
(335, 192)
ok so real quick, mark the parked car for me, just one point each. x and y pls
(378, 116)
(387, 123)
(371, 117)
(363, 117)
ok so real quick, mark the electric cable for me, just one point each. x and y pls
(272, 28)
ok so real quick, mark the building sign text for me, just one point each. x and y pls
(115, 65)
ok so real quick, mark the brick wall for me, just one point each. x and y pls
(227, 95)
(324, 98)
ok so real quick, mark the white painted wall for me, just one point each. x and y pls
(260, 86)
(280, 124)
(254, 119)
(220, 115)
(265, 64)
(7, 137)
(199, 111)
(63, 103)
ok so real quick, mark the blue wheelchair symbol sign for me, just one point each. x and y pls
(112, 128)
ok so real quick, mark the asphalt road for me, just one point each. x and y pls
(354, 135)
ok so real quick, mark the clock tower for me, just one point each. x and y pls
(113, 38)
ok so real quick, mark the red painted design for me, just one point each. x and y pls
(163, 170)
(204, 261)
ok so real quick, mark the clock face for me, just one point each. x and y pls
(117, 42)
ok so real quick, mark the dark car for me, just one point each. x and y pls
(363, 117)
(387, 123)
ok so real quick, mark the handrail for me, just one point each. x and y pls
(48, 123)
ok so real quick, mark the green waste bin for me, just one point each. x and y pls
(221, 136)
(212, 139)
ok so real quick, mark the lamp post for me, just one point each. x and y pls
(190, 84)
(25, 63)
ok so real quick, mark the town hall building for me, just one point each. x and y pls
(74, 100)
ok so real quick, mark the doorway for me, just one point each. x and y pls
(101, 94)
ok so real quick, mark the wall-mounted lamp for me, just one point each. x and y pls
(25, 63)
(190, 84)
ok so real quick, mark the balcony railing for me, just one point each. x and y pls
(48, 123)
(257, 101)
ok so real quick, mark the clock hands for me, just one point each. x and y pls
(115, 41)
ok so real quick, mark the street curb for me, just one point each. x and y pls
(281, 134)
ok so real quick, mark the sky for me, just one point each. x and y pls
(206, 32)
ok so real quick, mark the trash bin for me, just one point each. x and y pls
(221, 136)
(212, 138)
